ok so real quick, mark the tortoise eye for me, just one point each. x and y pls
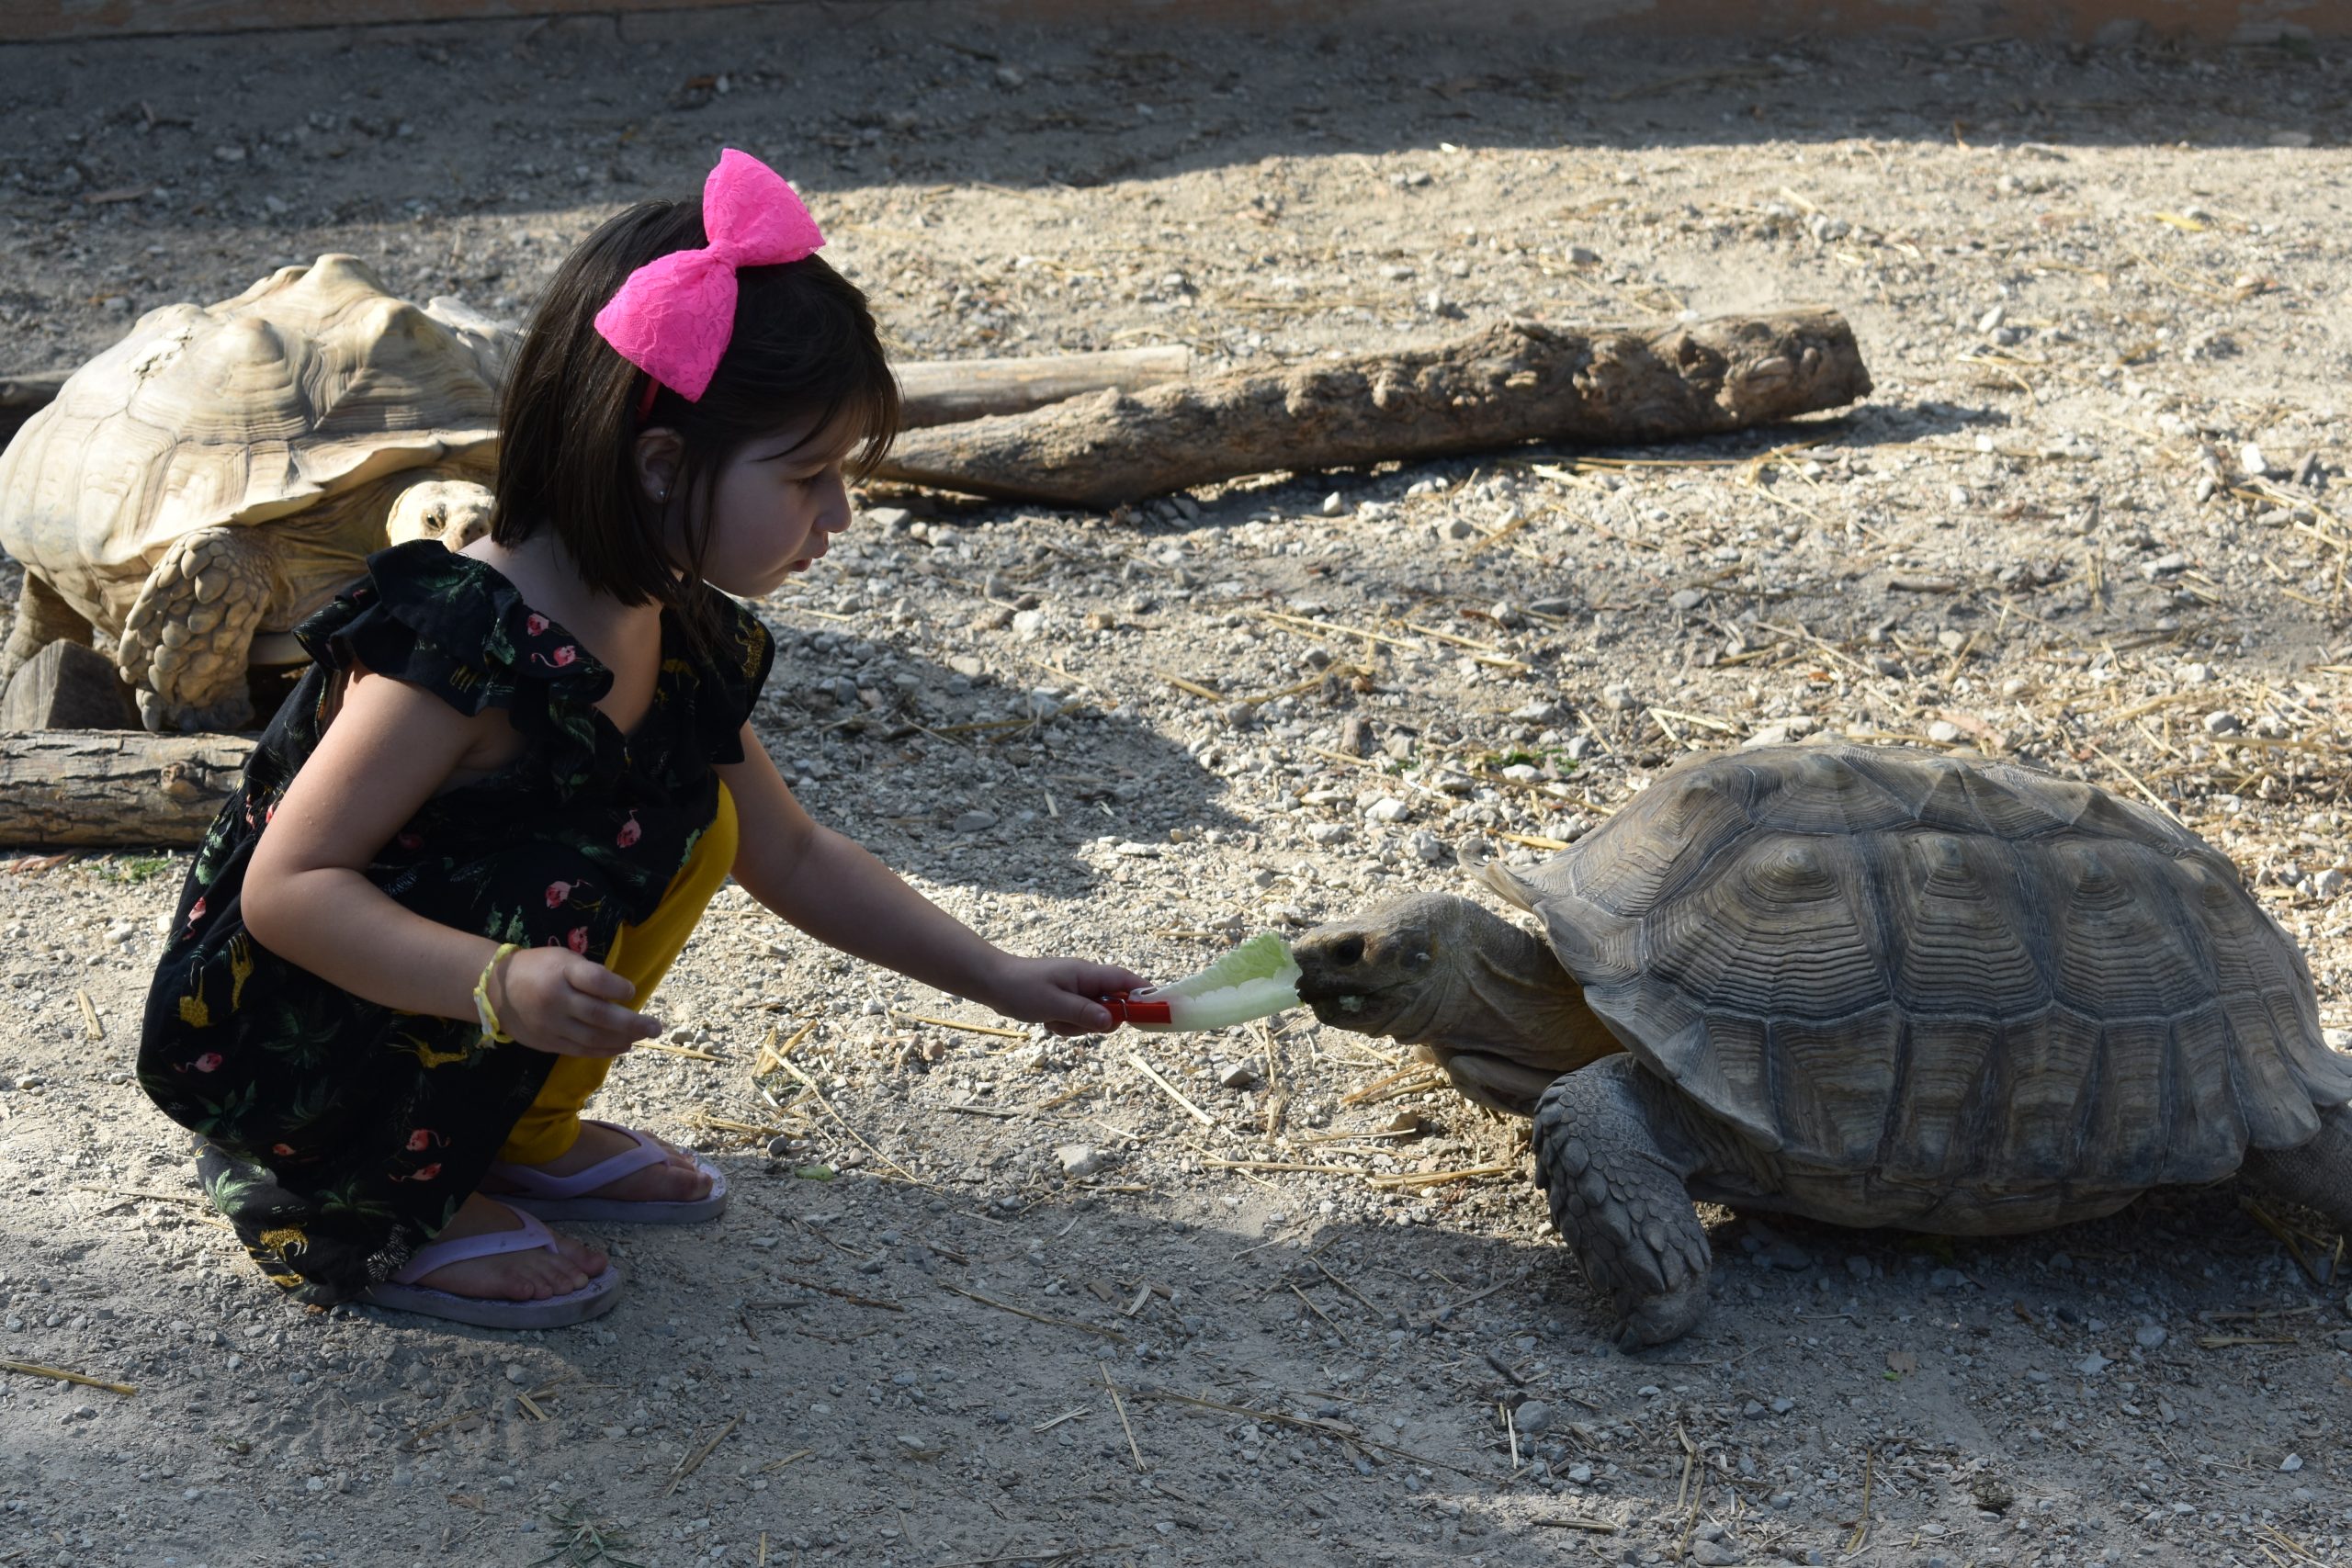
(1348, 951)
(1418, 959)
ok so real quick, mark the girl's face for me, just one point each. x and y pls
(774, 506)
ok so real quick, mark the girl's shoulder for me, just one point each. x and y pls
(448, 623)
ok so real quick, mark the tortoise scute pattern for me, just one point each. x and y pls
(1972, 978)
(224, 469)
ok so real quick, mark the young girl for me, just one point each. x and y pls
(473, 840)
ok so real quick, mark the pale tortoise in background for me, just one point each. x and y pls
(1870, 986)
(222, 471)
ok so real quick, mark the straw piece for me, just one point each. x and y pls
(90, 1015)
(1034, 1317)
(1340, 1429)
(1125, 1425)
(1203, 1117)
(32, 1368)
(1573, 1522)
(966, 1028)
(810, 1085)
(850, 1296)
(689, 1051)
(690, 1466)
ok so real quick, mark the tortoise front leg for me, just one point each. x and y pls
(1609, 1143)
(185, 642)
(42, 617)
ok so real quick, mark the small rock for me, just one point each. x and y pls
(1457, 528)
(1618, 697)
(1079, 1160)
(2196, 674)
(1029, 624)
(1326, 832)
(974, 821)
(1583, 256)
(2164, 566)
(2149, 1337)
(1859, 1267)
(1782, 1405)
(1687, 598)
(1532, 1417)
(1389, 809)
(2292, 1463)
(2251, 461)
(2224, 723)
(1943, 732)
(2327, 883)
(1947, 1279)
(1554, 607)
(1241, 1075)
(1333, 506)
(966, 665)
(1957, 495)
(2090, 1366)
(1428, 847)
(1717, 1553)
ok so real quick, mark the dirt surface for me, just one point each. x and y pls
(983, 1299)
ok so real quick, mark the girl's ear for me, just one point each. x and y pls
(656, 457)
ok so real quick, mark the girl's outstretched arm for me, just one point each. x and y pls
(832, 890)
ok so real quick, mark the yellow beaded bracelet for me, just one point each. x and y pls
(486, 1014)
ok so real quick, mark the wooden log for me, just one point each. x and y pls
(103, 788)
(1514, 382)
(946, 391)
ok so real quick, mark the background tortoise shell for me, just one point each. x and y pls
(1962, 974)
(311, 383)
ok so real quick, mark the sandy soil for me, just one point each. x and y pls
(984, 1299)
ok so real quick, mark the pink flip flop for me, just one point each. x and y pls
(565, 1197)
(403, 1294)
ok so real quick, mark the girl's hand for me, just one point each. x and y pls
(553, 999)
(1057, 992)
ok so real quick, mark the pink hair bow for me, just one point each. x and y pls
(673, 316)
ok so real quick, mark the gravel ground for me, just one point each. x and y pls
(989, 1299)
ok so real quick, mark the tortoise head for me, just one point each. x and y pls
(1387, 972)
(1440, 971)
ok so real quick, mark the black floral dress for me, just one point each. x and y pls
(339, 1136)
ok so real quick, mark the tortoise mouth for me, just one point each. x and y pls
(1335, 1001)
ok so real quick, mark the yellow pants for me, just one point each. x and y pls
(641, 955)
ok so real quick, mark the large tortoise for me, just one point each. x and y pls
(218, 473)
(1871, 986)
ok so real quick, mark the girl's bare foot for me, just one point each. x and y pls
(530, 1276)
(677, 1181)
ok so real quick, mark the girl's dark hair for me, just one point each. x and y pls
(804, 345)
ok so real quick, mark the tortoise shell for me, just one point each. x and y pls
(1943, 972)
(311, 383)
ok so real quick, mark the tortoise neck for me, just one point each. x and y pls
(1517, 1000)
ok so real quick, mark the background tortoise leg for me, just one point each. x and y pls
(1604, 1142)
(2319, 1174)
(41, 618)
(186, 640)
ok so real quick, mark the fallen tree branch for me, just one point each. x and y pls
(943, 391)
(114, 787)
(1514, 382)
